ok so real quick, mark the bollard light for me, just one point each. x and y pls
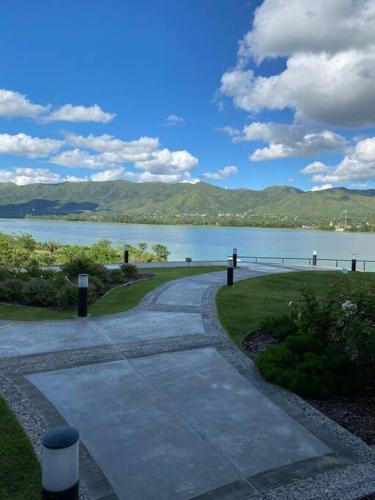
(234, 257)
(354, 262)
(315, 258)
(60, 464)
(230, 273)
(126, 254)
(83, 284)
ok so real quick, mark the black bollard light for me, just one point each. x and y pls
(354, 262)
(126, 254)
(230, 273)
(60, 464)
(315, 258)
(83, 284)
(234, 257)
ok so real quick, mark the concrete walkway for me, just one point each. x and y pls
(168, 408)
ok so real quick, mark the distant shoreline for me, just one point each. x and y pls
(184, 224)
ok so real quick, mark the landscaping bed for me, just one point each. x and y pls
(313, 334)
(356, 413)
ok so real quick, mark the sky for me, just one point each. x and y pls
(237, 93)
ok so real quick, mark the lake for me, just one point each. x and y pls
(203, 243)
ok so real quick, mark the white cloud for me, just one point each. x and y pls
(70, 113)
(323, 187)
(165, 162)
(77, 158)
(358, 165)
(16, 104)
(116, 150)
(286, 140)
(284, 27)
(109, 175)
(330, 68)
(233, 132)
(222, 173)
(174, 120)
(23, 176)
(316, 167)
(25, 145)
(144, 153)
(121, 173)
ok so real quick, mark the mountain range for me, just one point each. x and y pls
(123, 201)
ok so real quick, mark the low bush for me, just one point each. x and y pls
(82, 265)
(11, 290)
(310, 368)
(67, 296)
(116, 276)
(96, 284)
(40, 292)
(129, 270)
(280, 327)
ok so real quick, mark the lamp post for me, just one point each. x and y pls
(126, 254)
(83, 284)
(354, 262)
(234, 257)
(230, 272)
(315, 258)
(60, 465)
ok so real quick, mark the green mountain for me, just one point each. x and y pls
(201, 203)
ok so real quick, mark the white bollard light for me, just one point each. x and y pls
(315, 257)
(83, 284)
(60, 465)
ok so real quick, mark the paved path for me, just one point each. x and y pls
(168, 408)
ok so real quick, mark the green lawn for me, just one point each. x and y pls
(120, 299)
(242, 307)
(20, 470)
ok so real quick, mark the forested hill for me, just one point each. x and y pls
(199, 203)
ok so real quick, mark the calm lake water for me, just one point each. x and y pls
(203, 243)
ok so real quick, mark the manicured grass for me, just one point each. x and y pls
(242, 307)
(118, 300)
(19, 467)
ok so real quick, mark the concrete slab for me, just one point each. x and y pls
(145, 448)
(250, 430)
(149, 325)
(175, 425)
(31, 337)
(183, 294)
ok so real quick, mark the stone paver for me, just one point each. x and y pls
(167, 413)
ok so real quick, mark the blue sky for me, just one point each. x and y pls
(182, 91)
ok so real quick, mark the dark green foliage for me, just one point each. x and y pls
(116, 276)
(67, 295)
(310, 368)
(129, 270)
(81, 264)
(11, 290)
(40, 292)
(96, 284)
(280, 327)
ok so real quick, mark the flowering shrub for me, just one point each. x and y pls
(328, 343)
(346, 317)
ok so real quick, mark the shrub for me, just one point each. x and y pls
(97, 284)
(67, 296)
(310, 368)
(129, 270)
(40, 292)
(116, 276)
(11, 290)
(280, 327)
(81, 265)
